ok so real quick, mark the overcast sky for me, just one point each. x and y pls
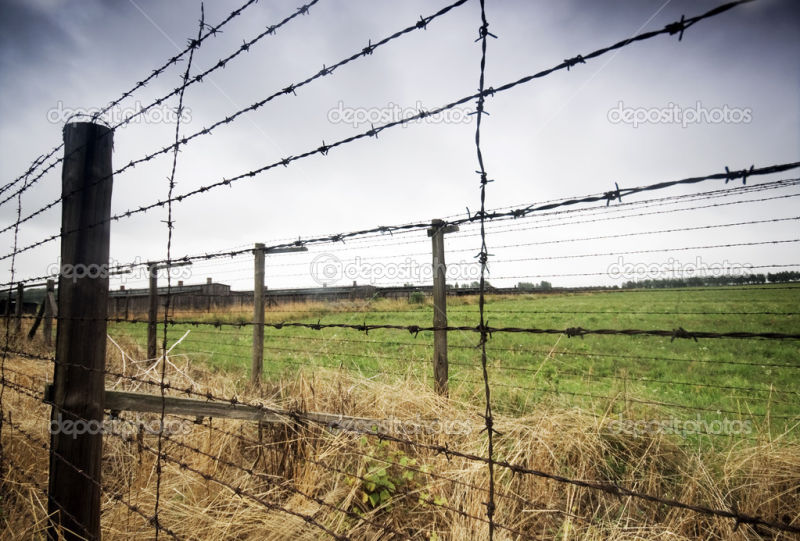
(556, 137)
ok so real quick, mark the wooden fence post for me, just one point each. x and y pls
(258, 316)
(49, 299)
(79, 374)
(18, 307)
(152, 312)
(440, 368)
(258, 310)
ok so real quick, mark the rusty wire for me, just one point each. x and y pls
(607, 487)
(325, 148)
(285, 91)
(191, 46)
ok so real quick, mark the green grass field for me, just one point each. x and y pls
(640, 377)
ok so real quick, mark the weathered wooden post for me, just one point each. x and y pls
(436, 233)
(49, 300)
(127, 305)
(258, 316)
(152, 312)
(18, 307)
(76, 442)
(259, 251)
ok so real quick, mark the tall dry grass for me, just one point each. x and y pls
(312, 469)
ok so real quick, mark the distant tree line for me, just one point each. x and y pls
(530, 286)
(724, 280)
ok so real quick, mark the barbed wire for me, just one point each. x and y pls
(520, 349)
(12, 274)
(528, 369)
(285, 91)
(234, 400)
(652, 250)
(677, 333)
(340, 237)
(603, 486)
(33, 483)
(153, 520)
(480, 218)
(631, 379)
(192, 44)
(170, 225)
(409, 467)
(252, 473)
(500, 310)
(537, 243)
(381, 230)
(606, 487)
(165, 457)
(490, 92)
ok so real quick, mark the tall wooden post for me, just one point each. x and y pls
(436, 233)
(127, 305)
(18, 307)
(47, 327)
(258, 316)
(78, 379)
(152, 312)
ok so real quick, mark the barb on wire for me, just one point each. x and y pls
(251, 472)
(497, 215)
(117, 497)
(411, 118)
(170, 226)
(483, 256)
(516, 468)
(8, 324)
(600, 486)
(193, 44)
(229, 119)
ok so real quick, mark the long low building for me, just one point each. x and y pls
(213, 296)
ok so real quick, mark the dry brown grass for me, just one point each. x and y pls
(759, 478)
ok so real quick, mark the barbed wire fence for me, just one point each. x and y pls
(298, 341)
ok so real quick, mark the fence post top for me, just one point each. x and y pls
(85, 125)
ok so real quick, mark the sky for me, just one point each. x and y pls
(726, 94)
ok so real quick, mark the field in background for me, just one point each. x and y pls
(358, 486)
(634, 378)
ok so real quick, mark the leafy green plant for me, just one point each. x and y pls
(390, 473)
(417, 297)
